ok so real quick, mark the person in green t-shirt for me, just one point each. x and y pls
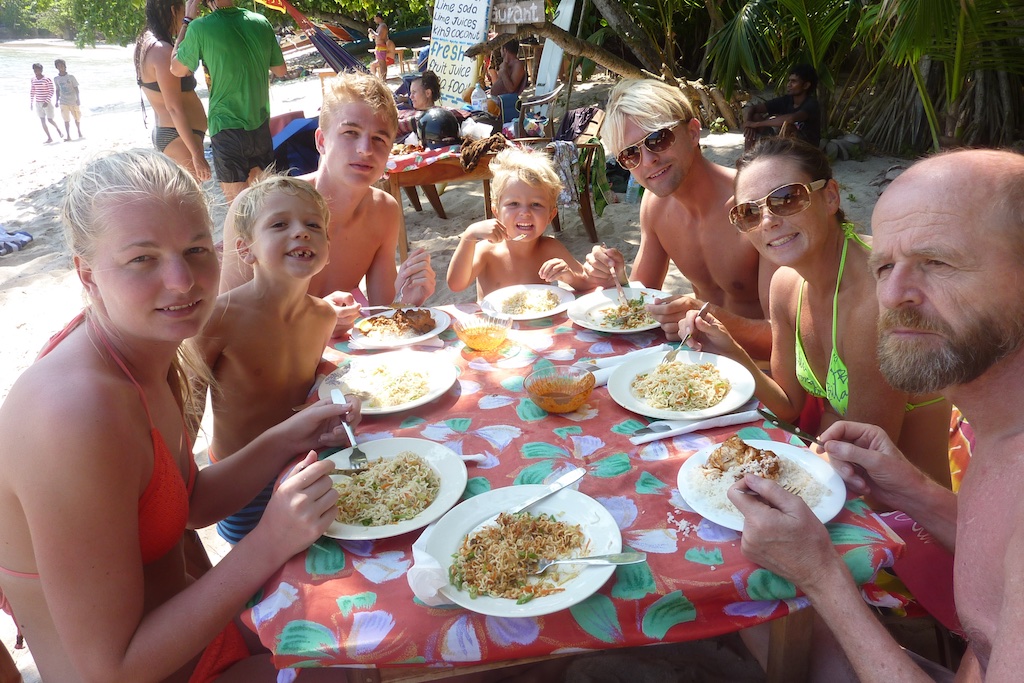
(237, 48)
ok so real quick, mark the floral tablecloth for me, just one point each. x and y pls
(345, 602)
(408, 162)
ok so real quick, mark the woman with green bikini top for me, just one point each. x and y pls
(823, 306)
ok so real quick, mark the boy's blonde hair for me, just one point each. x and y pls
(352, 86)
(533, 168)
(250, 203)
(652, 105)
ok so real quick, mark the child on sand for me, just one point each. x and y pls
(265, 337)
(511, 249)
(39, 96)
(67, 98)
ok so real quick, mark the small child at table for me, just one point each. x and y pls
(265, 337)
(511, 248)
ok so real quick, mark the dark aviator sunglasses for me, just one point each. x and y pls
(787, 200)
(658, 141)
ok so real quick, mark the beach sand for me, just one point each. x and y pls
(39, 291)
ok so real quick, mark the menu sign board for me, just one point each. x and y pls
(458, 24)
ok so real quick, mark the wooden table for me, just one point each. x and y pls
(441, 171)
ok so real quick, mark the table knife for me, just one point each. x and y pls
(791, 428)
(567, 479)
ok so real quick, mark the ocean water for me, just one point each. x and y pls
(105, 73)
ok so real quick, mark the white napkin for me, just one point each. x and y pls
(432, 343)
(425, 576)
(745, 413)
(603, 367)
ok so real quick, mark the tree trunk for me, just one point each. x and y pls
(632, 35)
(724, 109)
(717, 22)
(568, 42)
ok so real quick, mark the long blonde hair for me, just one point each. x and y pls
(94, 192)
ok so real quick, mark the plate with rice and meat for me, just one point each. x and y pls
(409, 484)
(708, 474)
(488, 560)
(602, 311)
(400, 327)
(392, 382)
(528, 302)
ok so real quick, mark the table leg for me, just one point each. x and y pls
(414, 197)
(403, 238)
(789, 647)
(487, 200)
(435, 200)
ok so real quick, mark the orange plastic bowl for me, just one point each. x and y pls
(482, 332)
(559, 389)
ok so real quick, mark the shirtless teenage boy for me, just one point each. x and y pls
(684, 216)
(357, 127)
(950, 320)
(265, 338)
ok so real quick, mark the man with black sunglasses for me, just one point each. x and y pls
(684, 217)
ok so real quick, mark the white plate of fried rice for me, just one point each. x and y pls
(528, 302)
(392, 382)
(575, 582)
(596, 311)
(626, 385)
(439, 465)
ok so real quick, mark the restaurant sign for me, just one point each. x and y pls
(507, 15)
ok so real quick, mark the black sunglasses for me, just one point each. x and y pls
(787, 200)
(658, 141)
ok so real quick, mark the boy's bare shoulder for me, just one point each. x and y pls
(379, 199)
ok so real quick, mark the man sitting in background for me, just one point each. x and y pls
(510, 76)
(797, 109)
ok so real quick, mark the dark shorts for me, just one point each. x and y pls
(236, 152)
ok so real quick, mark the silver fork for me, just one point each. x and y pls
(671, 355)
(397, 303)
(357, 459)
(623, 300)
(614, 558)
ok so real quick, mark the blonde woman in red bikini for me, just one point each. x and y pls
(97, 480)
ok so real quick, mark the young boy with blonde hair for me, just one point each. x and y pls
(265, 338)
(511, 248)
(358, 122)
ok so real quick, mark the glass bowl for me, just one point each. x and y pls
(560, 388)
(481, 331)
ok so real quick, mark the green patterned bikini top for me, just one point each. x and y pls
(837, 383)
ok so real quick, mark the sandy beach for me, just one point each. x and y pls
(39, 290)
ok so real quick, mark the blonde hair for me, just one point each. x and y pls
(652, 105)
(95, 192)
(352, 86)
(533, 168)
(250, 203)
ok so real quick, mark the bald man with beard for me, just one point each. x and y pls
(949, 262)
